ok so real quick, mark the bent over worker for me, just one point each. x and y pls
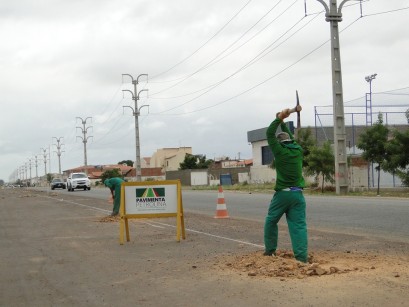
(288, 198)
(114, 185)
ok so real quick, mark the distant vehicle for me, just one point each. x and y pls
(57, 183)
(78, 181)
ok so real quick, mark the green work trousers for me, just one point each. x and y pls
(117, 198)
(292, 203)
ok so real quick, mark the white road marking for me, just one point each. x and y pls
(163, 224)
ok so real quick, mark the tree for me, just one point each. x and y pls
(306, 141)
(373, 143)
(203, 163)
(49, 177)
(195, 162)
(1, 182)
(398, 159)
(321, 162)
(110, 173)
(127, 162)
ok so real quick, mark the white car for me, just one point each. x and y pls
(78, 181)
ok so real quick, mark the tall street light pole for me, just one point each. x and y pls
(58, 152)
(84, 137)
(29, 164)
(45, 161)
(136, 113)
(333, 15)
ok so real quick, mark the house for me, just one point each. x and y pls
(361, 173)
(169, 159)
(128, 172)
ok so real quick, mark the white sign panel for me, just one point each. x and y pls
(151, 199)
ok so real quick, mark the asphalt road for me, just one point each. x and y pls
(373, 216)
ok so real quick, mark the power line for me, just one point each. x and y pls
(208, 64)
(255, 59)
(264, 81)
(205, 43)
(386, 12)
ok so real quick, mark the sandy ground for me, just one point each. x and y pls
(62, 252)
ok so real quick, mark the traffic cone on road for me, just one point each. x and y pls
(221, 209)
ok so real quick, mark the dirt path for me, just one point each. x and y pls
(62, 252)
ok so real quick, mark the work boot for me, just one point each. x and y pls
(114, 214)
(266, 253)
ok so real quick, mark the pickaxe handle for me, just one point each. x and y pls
(287, 112)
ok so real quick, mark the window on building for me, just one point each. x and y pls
(266, 155)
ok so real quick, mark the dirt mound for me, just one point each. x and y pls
(109, 219)
(284, 265)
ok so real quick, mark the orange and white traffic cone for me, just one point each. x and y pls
(221, 209)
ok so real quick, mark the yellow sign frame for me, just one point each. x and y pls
(180, 222)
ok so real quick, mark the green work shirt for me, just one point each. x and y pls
(288, 158)
(113, 183)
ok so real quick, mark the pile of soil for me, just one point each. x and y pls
(110, 219)
(284, 265)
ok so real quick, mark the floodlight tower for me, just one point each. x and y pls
(368, 108)
(368, 99)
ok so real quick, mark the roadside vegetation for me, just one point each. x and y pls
(310, 190)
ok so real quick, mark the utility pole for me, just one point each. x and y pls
(25, 172)
(49, 159)
(58, 152)
(136, 113)
(29, 164)
(84, 137)
(36, 168)
(45, 161)
(333, 15)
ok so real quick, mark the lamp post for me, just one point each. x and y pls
(368, 106)
(58, 152)
(29, 164)
(136, 113)
(45, 161)
(368, 96)
(84, 138)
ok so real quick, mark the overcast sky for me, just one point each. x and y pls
(216, 69)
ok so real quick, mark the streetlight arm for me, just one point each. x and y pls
(133, 96)
(128, 76)
(144, 90)
(325, 5)
(137, 79)
(133, 110)
(341, 5)
(145, 105)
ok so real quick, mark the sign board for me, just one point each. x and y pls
(151, 199)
